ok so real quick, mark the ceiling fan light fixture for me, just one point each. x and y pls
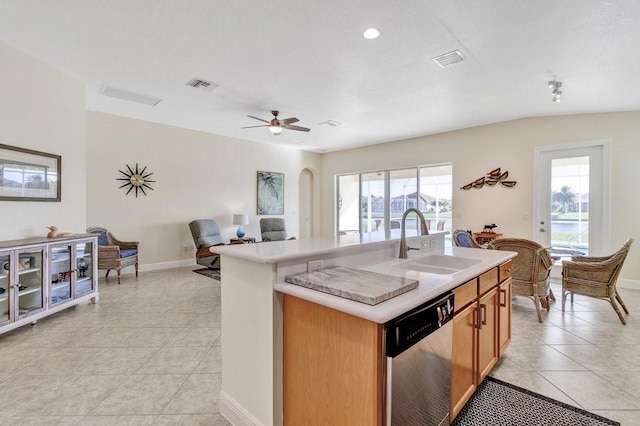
(275, 129)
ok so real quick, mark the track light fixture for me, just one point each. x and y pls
(556, 91)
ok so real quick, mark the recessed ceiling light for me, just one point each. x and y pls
(371, 33)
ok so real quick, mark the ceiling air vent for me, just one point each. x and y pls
(199, 83)
(449, 58)
(129, 96)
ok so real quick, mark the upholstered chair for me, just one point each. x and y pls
(113, 253)
(595, 277)
(530, 270)
(274, 229)
(206, 233)
(462, 238)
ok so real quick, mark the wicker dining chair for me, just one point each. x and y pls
(113, 253)
(595, 277)
(462, 238)
(530, 270)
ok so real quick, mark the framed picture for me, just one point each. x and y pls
(28, 175)
(270, 193)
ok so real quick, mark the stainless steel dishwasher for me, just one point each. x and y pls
(418, 354)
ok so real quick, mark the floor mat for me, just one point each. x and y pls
(499, 403)
(211, 273)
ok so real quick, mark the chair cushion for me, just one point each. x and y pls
(128, 253)
(205, 232)
(102, 238)
(464, 240)
(274, 236)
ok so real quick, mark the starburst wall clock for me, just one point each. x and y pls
(135, 179)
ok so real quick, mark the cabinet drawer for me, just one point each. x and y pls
(488, 280)
(465, 294)
(504, 271)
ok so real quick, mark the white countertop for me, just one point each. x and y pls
(280, 251)
(431, 285)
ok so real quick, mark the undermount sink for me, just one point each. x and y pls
(440, 264)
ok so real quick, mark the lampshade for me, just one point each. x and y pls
(241, 219)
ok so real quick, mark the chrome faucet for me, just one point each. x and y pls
(404, 250)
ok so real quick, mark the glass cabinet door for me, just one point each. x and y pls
(60, 269)
(5, 270)
(84, 268)
(30, 285)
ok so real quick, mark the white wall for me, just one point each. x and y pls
(508, 145)
(43, 109)
(198, 176)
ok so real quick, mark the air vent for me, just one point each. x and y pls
(199, 83)
(330, 123)
(449, 58)
(129, 96)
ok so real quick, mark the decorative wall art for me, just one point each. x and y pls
(136, 179)
(491, 179)
(270, 193)
(28, 175)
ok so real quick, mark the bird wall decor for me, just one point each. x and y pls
(494, 177)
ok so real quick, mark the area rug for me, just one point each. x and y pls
(499, 403)
(211, 273)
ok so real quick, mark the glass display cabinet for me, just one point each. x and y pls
(41, 276)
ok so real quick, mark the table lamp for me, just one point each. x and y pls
(240, 219)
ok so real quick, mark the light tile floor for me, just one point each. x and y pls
(584, 357)
(149, 353)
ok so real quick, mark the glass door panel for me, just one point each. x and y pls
(372, 190)
(403, 194)
(5, 267)
(84, 268)
(570, 203)
(348, 193)
(436, 189)
(30, 288)
(60, 274)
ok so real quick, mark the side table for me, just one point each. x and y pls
(248, 240)
(486, 237)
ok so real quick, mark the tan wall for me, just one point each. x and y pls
(509, 145)
(43, 109)
(198, 176)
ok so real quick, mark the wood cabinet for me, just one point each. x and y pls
(332, 366)
(481, 331)
(40, 276)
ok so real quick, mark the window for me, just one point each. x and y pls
(375, 201)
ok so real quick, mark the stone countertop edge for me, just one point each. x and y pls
(431, 286)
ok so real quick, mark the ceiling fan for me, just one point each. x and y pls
(276, 125)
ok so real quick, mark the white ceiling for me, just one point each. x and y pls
(309, 60)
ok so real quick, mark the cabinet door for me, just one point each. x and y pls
(60, 274)
(84, 279)
(463, 357)
(488, 333)
(5, 271)
(504, 315)
(29, 286)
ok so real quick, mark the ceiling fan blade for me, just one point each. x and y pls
(302, 129)
(251, 127)
(256, 118)
(289, 120)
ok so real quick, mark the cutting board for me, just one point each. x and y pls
(354, 284)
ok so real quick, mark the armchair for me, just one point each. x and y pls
(273, 229)
(462, 238)
(531, 268)
(206, 233)
(595, 277)
(113, 253)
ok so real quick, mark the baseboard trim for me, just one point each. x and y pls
(234, 412)
(629, 284)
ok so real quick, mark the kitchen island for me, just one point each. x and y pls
(254, 291)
